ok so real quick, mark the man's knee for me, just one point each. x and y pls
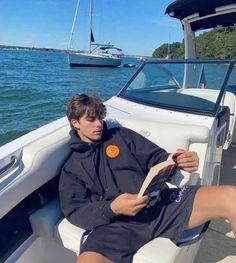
(230, 193)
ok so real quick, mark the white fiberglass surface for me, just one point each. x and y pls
(195, 86)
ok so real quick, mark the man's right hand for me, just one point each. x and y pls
(128, 204)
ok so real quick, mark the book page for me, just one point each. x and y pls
(165, 166)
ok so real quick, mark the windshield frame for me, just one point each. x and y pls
(222, 90)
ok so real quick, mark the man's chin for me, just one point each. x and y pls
(97, 138)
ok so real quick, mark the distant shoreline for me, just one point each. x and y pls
(32, 48)
(7, 47)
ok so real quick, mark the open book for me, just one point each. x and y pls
(158, 175)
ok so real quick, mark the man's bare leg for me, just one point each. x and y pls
(214, 202)
(92, 257)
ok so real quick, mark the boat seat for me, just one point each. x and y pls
(69, 235)
(49, 222)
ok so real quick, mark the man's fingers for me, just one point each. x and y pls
(180, 151)
(188, 161)
(187, 157)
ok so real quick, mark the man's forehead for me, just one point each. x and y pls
(89, 114)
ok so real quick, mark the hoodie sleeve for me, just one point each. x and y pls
(76, 203)
(146, 152)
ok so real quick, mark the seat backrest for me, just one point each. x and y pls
(169, 136)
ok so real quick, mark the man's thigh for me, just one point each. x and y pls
(117, 241)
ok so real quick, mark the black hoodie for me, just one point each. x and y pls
(92, 178)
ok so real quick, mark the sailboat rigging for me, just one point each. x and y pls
(98, 55)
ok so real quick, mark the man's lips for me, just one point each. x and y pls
(97, 132)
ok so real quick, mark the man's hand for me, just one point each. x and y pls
(187, 161)
(128, 204)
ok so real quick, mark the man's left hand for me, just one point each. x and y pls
(187, 161)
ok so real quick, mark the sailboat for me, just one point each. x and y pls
(98, 55)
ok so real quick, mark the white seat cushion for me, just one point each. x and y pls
(160, 248)
(69, 235)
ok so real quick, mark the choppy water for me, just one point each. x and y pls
(35, 87)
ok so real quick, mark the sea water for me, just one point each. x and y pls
(36, 85)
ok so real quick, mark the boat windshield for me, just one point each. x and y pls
(195, 86)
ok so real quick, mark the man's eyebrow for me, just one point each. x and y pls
(90, 117)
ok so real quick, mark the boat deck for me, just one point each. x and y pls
(218, 244)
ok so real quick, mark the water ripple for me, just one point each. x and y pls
(35, 87)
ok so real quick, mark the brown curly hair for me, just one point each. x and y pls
(81, 104)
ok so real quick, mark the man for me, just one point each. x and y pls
(102, 176)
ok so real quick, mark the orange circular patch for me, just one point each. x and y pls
(112, 151)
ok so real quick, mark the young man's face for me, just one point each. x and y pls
(89, 128)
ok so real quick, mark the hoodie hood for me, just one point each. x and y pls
(76, 144)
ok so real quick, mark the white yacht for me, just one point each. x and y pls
(167, 101)
(97, 55)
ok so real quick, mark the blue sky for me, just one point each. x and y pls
(136, 26)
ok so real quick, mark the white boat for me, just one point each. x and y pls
(98, 55)
(162, 102)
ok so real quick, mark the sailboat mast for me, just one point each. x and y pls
(90, 23)
(73, 25)
(168, 49)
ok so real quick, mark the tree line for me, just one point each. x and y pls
(216, 43)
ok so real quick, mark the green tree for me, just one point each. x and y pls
(216, 43)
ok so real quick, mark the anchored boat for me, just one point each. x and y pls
(98, 55)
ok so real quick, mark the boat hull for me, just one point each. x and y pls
(93, 60)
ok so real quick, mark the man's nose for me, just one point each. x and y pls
(98, 122)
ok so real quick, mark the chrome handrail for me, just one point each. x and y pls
(8, 166)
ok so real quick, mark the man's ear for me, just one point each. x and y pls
(75, 123)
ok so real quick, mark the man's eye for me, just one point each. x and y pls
(91, 119)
